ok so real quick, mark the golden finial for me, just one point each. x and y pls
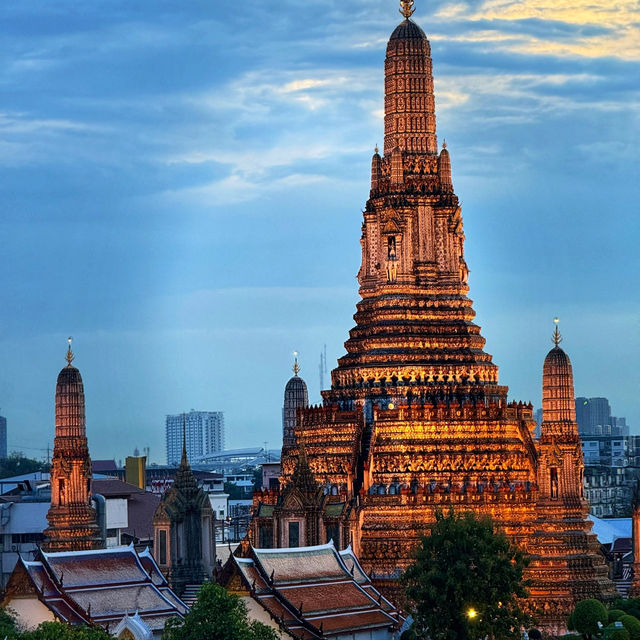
(444, 144)
(70, 355)
(296, 366)
(376, 149)
(557, 338)
(406, 8)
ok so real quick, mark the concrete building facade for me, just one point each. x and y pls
(204, 433)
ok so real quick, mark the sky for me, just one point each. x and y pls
(181, 188)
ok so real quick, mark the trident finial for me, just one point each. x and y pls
(296, 366)
(557, 338)
(406, 8)
(70, 355)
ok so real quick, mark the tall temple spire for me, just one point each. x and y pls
(415, 421)
(558, 397)
(184, 460)
(409, 108)
(295, 397)
(72, 519)
(414, 332)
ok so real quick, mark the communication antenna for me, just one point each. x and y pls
(323, 366)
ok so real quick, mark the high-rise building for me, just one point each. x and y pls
(204, 433)
(3, 437)
(72, 520)
(593, 415)
(295, 397)
(415, 420)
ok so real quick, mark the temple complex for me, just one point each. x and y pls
(415, 419)
(72, 520)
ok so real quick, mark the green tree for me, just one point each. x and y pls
(8, 628)
(632, 625)
(16, 464)
(235, 492)
(611, 632)
(615, 614)
(466, 581)
(217, 615)
(586, 616)
(63, 631)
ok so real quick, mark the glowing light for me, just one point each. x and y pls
(471, 613)
(392, 406)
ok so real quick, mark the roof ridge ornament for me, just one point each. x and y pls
(406, 8)
(556, 338)
(70, 355)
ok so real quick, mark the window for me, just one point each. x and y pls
(553, 479)
(333, 533)
(265, 536)
(26, 538)
(162, 542)
(294, 534)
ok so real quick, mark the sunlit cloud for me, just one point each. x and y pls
(618, 25)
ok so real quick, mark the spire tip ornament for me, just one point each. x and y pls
(557, 338)
(70, 355)
(296, 366)
(406, 8)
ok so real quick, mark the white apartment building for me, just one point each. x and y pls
(204, 431)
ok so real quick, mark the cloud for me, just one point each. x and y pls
(606, 29)
(238, 188)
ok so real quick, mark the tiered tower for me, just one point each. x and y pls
(184, 536)
(415, 419)
(295, 397)
(566, 563)
(72, 519)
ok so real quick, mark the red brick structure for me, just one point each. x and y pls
(415, 419)
(72, 519)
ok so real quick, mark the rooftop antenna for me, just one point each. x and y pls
(323, 366)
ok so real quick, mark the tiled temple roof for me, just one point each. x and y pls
(101, 586)
(315, 591)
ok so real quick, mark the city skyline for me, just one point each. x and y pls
(182, 193)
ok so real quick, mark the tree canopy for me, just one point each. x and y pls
(16, 464)
(466, 581)
(217, 615)
(48, 630)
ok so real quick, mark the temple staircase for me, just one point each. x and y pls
(190, 594)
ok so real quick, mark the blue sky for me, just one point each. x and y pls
(182, 187)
